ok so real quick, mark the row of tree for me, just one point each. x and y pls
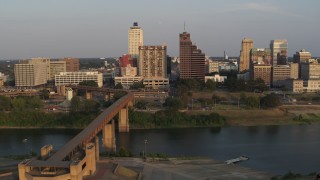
(20, 103)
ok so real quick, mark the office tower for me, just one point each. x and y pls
(260, 60)
(244, 62)
(32, 73)
(72, 64)
(279, 50)
(152, 61)
(135, 39)
(260, 56)
(301, 56)
(192, 60)
(74, 78)
(56, 67)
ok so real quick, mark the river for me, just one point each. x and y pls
(275, 149)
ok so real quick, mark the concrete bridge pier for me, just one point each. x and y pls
(124, 120)
(109, 140)
(97, 148)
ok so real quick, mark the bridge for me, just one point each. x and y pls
(78, 157)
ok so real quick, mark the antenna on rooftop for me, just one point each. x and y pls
(184, 26)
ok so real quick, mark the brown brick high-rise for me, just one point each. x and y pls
(192, 60)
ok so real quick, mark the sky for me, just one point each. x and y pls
(99, 28)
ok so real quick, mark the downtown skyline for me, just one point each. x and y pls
(79, 28)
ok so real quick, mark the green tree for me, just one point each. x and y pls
(210, 84)
(252, 102)
(270, 101)
(5, 103)
(89, 83)
(173, 103)
(141, 105)
(34, 103)
(118, 86)
(76, 104)
(44, 94)
(137, 85)
(117, 95)
(18, 104)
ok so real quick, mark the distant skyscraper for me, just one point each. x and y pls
(244, 62)
(192, 60)
(279, 50)
(260, 60)
(135, 39)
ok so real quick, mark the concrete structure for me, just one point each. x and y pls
(310, 69)
(279, 51)
(125, 60)
(152, 61)
(72, 64)
(301, 56)
(212, 66)
(156, 83)
(192, 60)
(77, 158)
(3, 79)
(127, 81)
(32, 73)
(57, 67)
(216, 78)
(74, 78)
(261, 71)
(228, 66)
(299, 85)
(135, 39)
(284, 72)
(244, 62)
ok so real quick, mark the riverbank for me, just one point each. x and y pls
(284, 115)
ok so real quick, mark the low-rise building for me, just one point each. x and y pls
(283, 72)
(74, 78)
(127, 81)
(261, 71)
(299, 85)
(156, 83)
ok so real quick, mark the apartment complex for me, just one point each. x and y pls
(74, 78)
(244, 62)
(135, 39)
(32, 73)
(192, 60)
(152, 61)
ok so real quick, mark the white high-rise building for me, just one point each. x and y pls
(135, 39)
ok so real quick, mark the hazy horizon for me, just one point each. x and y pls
(97, 28)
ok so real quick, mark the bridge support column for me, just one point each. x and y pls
(109, 140)
(97, 148)
(124, 120)
(91, 159)
(88, 95)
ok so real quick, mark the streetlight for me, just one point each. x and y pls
(145, 147)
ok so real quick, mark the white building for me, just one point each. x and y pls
(31, 73)
(135, 39)
(156, 83)
(215, 78)
(74, 78)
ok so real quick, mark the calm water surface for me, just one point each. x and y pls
(277, 149)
